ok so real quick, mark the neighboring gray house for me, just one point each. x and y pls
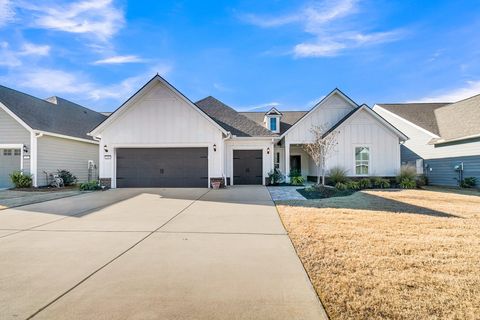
(444, 138)
(39, 136)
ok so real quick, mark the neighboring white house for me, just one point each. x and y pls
(444, 138)
(38, 136)
(159, 138)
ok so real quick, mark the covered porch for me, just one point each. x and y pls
(289, 158)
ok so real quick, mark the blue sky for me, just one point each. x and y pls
(249, 54)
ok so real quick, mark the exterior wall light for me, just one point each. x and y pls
(215, 148)
(105, 148)
(25, 149)
(268, 150)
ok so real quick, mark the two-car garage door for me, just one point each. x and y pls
(162, 167)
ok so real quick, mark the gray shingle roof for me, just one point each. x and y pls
(459, 119)
(421, 114)
(229, 119)
(63, 117)
(288, 119)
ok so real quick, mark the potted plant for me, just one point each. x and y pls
(216, 184)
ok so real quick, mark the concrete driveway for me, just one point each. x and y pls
(152, 254)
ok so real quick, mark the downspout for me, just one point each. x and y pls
(228, 136)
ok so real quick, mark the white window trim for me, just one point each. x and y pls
(277, 118)
(364, 145)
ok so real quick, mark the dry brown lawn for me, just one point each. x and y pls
(410, 254)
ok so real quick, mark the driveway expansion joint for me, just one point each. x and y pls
(111, 260)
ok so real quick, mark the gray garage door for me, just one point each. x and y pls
(162, 167)
(9, 162)
(247, 167)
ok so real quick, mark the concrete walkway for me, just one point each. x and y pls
(152, 254)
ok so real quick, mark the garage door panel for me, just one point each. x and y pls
(162, 167)
(247, 167)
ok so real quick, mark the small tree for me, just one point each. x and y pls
(320, 148)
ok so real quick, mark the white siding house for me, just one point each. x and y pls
(159, 138)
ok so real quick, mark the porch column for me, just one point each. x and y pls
(287, 161)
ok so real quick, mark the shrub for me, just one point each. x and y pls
(337, 174)
(275, 176)
(88, 186)
(353, 185)
(365, 183)
(407, 172)
(296, 178)
(21, 180)
(341, 186)
(422, 180)
(67, 177)
(381, 183)
(407, 183)
(468, 182)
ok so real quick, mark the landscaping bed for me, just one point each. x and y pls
(392, 254)
(323, 192)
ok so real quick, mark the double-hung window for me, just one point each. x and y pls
(362, 160)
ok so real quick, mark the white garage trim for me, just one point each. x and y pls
(155, 146)
(15, 146)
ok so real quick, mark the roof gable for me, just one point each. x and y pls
(372, 113)
(146, 93)
(330, 100)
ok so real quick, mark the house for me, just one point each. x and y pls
(160, 138)
(444, 139)
(40, 136)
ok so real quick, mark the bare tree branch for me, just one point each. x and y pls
(321, 148)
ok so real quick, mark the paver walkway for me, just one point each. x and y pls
(285, 193)
(152, 254)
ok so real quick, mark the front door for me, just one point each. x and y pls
(296, 164)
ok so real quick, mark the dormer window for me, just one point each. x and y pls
(273, 124)
(272, 120)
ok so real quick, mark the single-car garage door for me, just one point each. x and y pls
(9, 162)
(247, 167)
(162, 167)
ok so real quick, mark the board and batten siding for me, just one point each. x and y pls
(58, 153)
(363, 129)
(329, 113)
(12, 132)
(441, 171)
(160, 119)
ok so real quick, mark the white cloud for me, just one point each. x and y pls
(470, 89)
(58, 82)
(98, 18)
(262, 107)
(7, 13)
(8, 58)
(120, 60)
(327, 22)
(29, 49)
